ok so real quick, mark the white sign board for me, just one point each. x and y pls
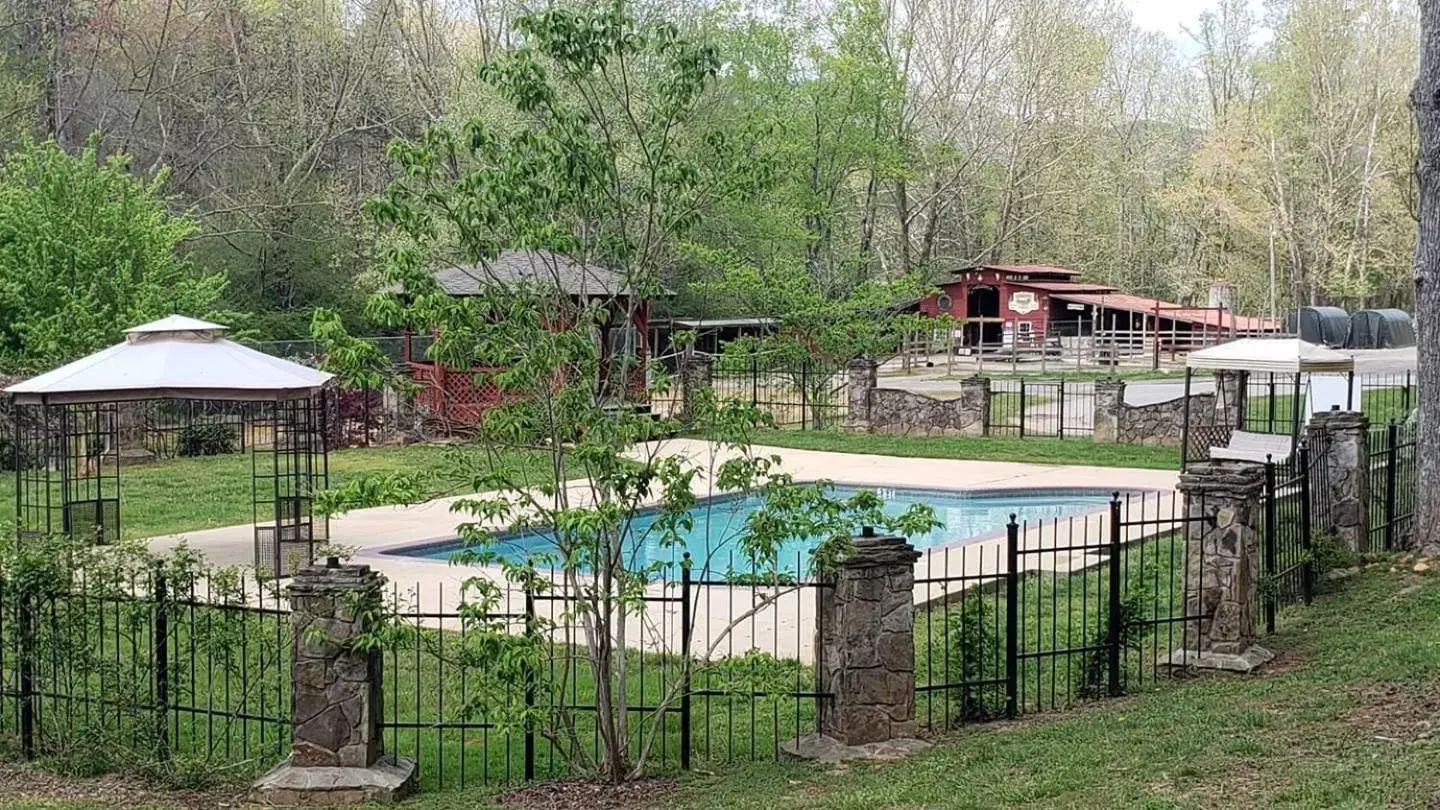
(1024, 303)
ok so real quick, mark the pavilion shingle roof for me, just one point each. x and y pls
(532, 266)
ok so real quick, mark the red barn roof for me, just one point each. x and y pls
(1199, 316)
(1064, 286)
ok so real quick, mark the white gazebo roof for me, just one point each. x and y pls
(1286, 355)
(173, 357)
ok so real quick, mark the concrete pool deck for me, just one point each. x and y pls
(786, 626)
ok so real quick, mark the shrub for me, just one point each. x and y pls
(976, 659)
(207, 439)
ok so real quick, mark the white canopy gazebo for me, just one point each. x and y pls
(1278, 356)
(1235, 360)
(68, 442)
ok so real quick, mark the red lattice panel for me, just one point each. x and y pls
(454, 396)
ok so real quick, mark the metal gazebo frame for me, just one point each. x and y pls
(68, 449)
(1236, 360)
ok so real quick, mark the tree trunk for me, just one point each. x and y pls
(1427, 280)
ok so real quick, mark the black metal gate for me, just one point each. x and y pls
(1054, 408)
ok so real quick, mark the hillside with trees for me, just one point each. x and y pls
(879, 139)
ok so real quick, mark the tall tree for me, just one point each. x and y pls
(1426, 98)
(86, 250)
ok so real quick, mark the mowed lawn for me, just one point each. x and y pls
(1347, 716)
(187, 494)
(1029, 450)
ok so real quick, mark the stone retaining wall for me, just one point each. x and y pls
(1157, 424)
(905, 413)
(1162, 423)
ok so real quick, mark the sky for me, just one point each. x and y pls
(1168, 16)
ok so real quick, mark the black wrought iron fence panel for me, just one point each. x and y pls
(1281, 403)
(1054, 612)
(119, 672)
(1295, 488)
(805, 396)
(1391, 471)
(747, 685)
(1055, 408)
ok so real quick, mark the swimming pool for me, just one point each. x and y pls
(964, 515)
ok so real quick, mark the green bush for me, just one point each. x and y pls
(976, 657)
(207, 439)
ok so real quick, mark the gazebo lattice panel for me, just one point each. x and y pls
(68, 471)
(286, 477)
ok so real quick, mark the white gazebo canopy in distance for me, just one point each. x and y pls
(1284, 355)
(174, 357)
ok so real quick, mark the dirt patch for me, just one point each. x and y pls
(1287, 661)
(1397, 712)
(579, 794)
(1242, 785)
(111, 790)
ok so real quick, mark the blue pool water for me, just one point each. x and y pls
(719, 522)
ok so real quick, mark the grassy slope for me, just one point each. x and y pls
(201, 493)
(990, 448)
(1339, 721)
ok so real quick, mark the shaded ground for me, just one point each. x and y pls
(27, 788)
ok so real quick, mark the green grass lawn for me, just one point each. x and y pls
(988, 448)
(1276, 414)
(1005, 406)
(187, 494)
(1341, 719)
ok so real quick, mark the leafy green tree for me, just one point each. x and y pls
(816, 332)
(601, 169)
(87, 249)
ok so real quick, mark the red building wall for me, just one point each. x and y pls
(452, 395)
(1007, 284)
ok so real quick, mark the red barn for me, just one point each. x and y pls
(453, 395)
(1026, 305)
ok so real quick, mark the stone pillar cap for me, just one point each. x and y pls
(1336, 418)
(322, 577)
(1241, 477)
(887, 550)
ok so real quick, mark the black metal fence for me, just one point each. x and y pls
(808, 396)
(1057, 408)
(1295, 488)
(1391, 471)
(720, 667)
(113, 672)
(1277, 403)
(1059, 612)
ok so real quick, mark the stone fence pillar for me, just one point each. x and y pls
(336, 754)
(863, 372)
(1341, 441)
(1109, 402)
(1222, 546)
(975, 399)
(697, 373)
(865, 644)
(1230, 396)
